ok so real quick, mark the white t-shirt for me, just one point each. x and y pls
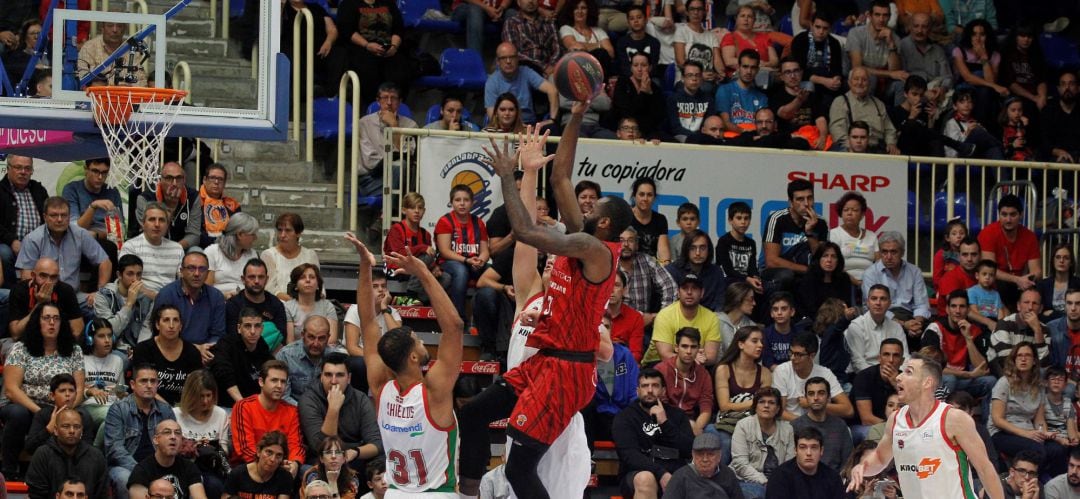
(598, 35)
(228, 273)
(279, 268)
(699, 46)
(108, 371)
(667, 48)
(215, 428)
(858, 252)
(792, 386)
(352, 316)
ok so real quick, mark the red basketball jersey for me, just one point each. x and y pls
(573, 306)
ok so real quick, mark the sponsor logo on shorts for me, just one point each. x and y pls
(926, 468)
(521, 420)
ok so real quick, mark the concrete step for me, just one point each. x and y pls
(212, 68)
(241, 90)
(243, 152)
(190, 28)
(203, 47)
(314, 218)
(197, 9)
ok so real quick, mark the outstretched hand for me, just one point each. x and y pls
(531, 148)
(501, 159)
(365, 254)
(411, 264)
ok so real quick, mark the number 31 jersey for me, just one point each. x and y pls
(420, 455)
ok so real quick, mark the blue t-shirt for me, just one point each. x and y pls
(79, 199)
(521, 86)
(777, 345)
(987, 301)
(740, 103)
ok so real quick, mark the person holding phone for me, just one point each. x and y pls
(799, 110)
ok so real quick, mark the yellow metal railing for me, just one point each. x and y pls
(309, 83)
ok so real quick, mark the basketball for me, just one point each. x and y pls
(578, 76)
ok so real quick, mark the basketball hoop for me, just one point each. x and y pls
(135, 145)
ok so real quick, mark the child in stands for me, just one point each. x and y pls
(1014, 131)
(688, 219)
(408, 235)
(985, 306)
(104, 371)
(948, 256)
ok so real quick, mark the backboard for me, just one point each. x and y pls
(230, 97)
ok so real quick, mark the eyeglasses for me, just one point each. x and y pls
(799, 355)
(628, 240)
(172, 178)
(177, 432)
(195, 268)
(100, 173)
(21, 168)
(147, 381)
(50, 318)
(1027, 473)
(332, 453)
(215, 179)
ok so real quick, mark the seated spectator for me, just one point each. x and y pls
(874, 46)
(239, 356)
(68, 244)
(790, 379)
(687, 312)
(462, 240)
(267, 476)
(829, 325)
(738, 308)
(591, 119)
(229, 255)
(521, 82)
(535, 37)
(373, 151)
(1060, 125)
(286, 254)
(696, 257)
(986, 307)
(637, 40)
(91, 202)
(976, 61)
(651, 226)
(217, 207)
(616, 389)
(821, 57)
(173, 356)
(1054, 288)
(964, 129)
(858, 246)
(333, 408)
(1017, 420)
(1024, 325)
(739, 375)
(183, 204)
(826, 278)
(778, 334)
(578, 31)
(475, 18)
(692, 42)
(962, 261)
(1022, 480)
(304, 357)
(1023, 68)
(451, 110)
(711, 133)
(858, 105)
(807, 474)
(918, 118)
(104, 373)
(160, 258)
(627, 326)
(307, 290)
(372, 37)
(735, 252)
(689, 105)
(800, 111)
(688, 219)
(44, 285)
(387, 318)
(128, 426)
(907, 291)
(868, 330)
(1066, 485)
(44, 425)
(734, 44)
(640, 96)
(20, 213)
(98, 49)
(1064, 348)
(909, 11)
(705, 476)
(506, 115)
(1014, 247)
(165, 465)
(205, 427)
(270, 309)
(737, 102)
(921, 56)
(873, 385)
(765, 134)
(409, 235)
(1061, 412)
(201, 306)
(265, 412)
(653, 439)
(124, 306)
(965, 402)
(47, 348)
(962, 342)
(645, 278)
(761, 443)
(836, 438)
(1016, 142)
(794, 234)
(695, 396)
(587, 193)
(67, 455)
(333, 471)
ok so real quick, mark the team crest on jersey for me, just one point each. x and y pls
(521, 420)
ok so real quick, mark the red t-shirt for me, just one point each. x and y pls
(760, 43)
(1072, 360)
(954, 346)
(401, 237)
(1012, 257)
(629, 329)
(465, 238)
(953, 280)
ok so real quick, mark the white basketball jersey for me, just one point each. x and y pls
(565, 468)
(928, 464)
(420, 455)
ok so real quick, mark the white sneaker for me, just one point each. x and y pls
(1057, 25)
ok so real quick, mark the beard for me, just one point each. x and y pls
(590, 224)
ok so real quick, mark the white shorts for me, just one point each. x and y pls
(398, 494)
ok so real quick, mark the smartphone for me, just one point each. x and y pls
(806, 85)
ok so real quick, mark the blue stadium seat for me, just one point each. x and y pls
(412, 13)
(325, 117)
(434, 113)
(1059, 51)
(403, 109)
(461, 68)
(669, 78)
(785, 24)
(236, 8)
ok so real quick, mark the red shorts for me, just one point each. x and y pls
(550, 391)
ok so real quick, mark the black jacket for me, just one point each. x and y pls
(789, 482)
(51, 465)
(635, 433)
(9, 208)
(234, 365)
(38, 437)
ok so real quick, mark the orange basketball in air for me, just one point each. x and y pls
(578, 76)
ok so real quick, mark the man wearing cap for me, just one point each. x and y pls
(687, 311)
(705, 477)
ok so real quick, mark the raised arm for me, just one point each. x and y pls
(563, 167)
(527, 281)
(365, 308)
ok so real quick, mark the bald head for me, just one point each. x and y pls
(506, 56)
(46, 270)
(713, 127)
(161, 487)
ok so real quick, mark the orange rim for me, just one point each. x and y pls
(114, 104)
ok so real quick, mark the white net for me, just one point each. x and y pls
(135, 144)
